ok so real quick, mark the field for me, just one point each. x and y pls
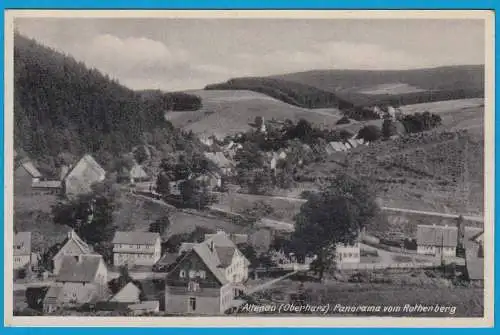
(230, 112)
(401, 289)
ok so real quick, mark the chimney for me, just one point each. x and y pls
(71, 234)
(211, 246)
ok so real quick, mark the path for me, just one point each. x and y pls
(267, 284)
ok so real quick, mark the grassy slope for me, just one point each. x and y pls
(432, 78)
(229, 112)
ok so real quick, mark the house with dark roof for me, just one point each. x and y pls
(22, 250)
(82, 176)
(207, 277)
(219, 159)
(133, 248)
(72, 246)
(80, 281)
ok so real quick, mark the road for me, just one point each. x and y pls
(391, 209)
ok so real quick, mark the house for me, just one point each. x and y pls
(218, 158)
(47, 186)
(82, 176)
(135, 174)
(129, 294)
(79, 281)
(347, 253)
(144, 307)
(132, 248)
(25, 174)
(72, 246)
(437, 240)
(176, 187)
(207, 278)
(22, 250)
(443, 240)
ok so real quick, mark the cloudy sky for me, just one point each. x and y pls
(178, 54)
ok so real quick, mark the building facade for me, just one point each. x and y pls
(79, 281)
(72, 246)
(347, 253)
(136, 248)
(22, 250)
(207, 279)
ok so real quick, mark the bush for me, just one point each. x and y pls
(344, 120)
(370, 133)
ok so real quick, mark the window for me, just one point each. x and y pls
(192, 273)
(202, 274)
(182, 274)
(138, 246)
(193, 287)
(192, 304)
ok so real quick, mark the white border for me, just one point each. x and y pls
(486, 321)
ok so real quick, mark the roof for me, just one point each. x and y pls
(225, 255)
(31, 169)
(85, 172)
(218, 159)
(218, 258)
(47, 184)
(53, 295)
(138, 172)
(128, 293)
(80, 244)
(84, 270)
(135, 237)
(475, 268)
(236, 238)
(149, 305)
(22, 243)
(445, 236)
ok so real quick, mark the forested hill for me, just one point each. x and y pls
(347, 88)
(60, 105)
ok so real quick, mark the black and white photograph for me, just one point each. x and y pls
(316, 166)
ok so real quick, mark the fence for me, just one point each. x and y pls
(380, 266)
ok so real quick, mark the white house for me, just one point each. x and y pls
(22, 250)
(347, 253)
(132, 248)
(437, 240)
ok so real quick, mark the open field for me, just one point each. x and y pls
(391, 88)
(230, 112)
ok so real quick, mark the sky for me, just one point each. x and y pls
(180, 54)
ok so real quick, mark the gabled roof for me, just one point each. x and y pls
(138, 172)
(85, 172)
(135, 237)
(128, 293)
(80, 244)
(31, 169)
(218, 159)
(83, 270)
(445, 236)
(22, 243)
(216, 253)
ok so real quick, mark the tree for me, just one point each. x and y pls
(141, 154)
(388, 128)
(335, 215)
(195, 194)
(123, 279)
(369, 133)
(262, 181)
(249, 252)
(160, 226)
(34, 297)
(90, 215)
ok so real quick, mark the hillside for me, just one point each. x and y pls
(346, 89)
(60, 105)
(435, 171)
(228, 112)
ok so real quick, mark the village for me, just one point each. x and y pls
(214, 274)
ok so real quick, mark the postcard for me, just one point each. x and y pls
(249, 168)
